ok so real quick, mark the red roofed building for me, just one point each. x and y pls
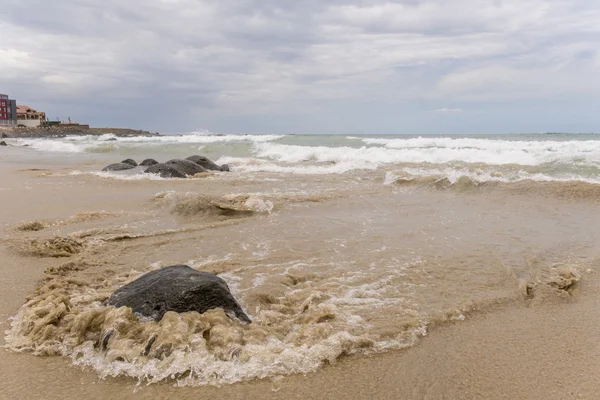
(29, 117)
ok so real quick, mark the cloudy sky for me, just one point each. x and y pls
(307, 66)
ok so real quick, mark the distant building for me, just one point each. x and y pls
(29, 117)
(8, 111)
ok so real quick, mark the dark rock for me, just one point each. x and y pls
(112, 139)
(118, 167)
(204, 163)
(186, 167)
(3, 143)
(4, 136)
(225, 167)
(165, 171)
(130, 162)
(178, 288)
(148, 162)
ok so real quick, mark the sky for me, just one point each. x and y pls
(307, 66)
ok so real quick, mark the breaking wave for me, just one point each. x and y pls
(477, 176)
(522, 152)
(202, 138)
(109, 142)
(439, 151)
(246, 164)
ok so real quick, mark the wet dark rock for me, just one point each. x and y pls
(178, 288)
(118, 167)
(205, 163)
(225, 168)
(186, 167)
(165, 171)
(4, 136)
(148, 162)
(3, 143)
(130, 162)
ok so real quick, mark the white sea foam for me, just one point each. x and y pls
(307, 326)
(107, 136)
(523, 152)
(246, 165)
(70, 144)
(124, 177)
(480, 176)
(108, 142)
(296, 159)
(202, 139)
(52, 145)
(494, 152)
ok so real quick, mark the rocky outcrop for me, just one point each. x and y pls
(186, 166)
(176, 168)
(64, 130)
(164, 171)
(178, 288)
(148, 162)
(206, 163)
(4, 136)
(3, 143)
(118, 167)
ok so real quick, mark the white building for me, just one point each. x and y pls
(27, 116)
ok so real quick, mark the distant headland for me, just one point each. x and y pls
(61, 130)
(18, 120)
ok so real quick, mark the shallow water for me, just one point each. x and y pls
(336, 247)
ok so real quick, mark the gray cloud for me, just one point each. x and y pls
(303, 66)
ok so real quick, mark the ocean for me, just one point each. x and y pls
(340, 248)
(480, 158)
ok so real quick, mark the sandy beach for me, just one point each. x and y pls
(361, 284)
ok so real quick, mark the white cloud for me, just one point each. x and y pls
(448, 111)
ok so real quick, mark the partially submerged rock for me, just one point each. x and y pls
(130, 162)
(164, 171)
(208, 164)
(175, 168)
(3, 143)
(186, 167)
(178, 288)
(148, 162)
(118, 167)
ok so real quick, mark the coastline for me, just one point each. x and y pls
(75, 130)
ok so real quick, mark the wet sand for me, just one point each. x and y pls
(509, 346)
(547, 352)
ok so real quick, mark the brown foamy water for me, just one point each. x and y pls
(334, 269)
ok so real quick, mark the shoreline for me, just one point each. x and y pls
(62, 131)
